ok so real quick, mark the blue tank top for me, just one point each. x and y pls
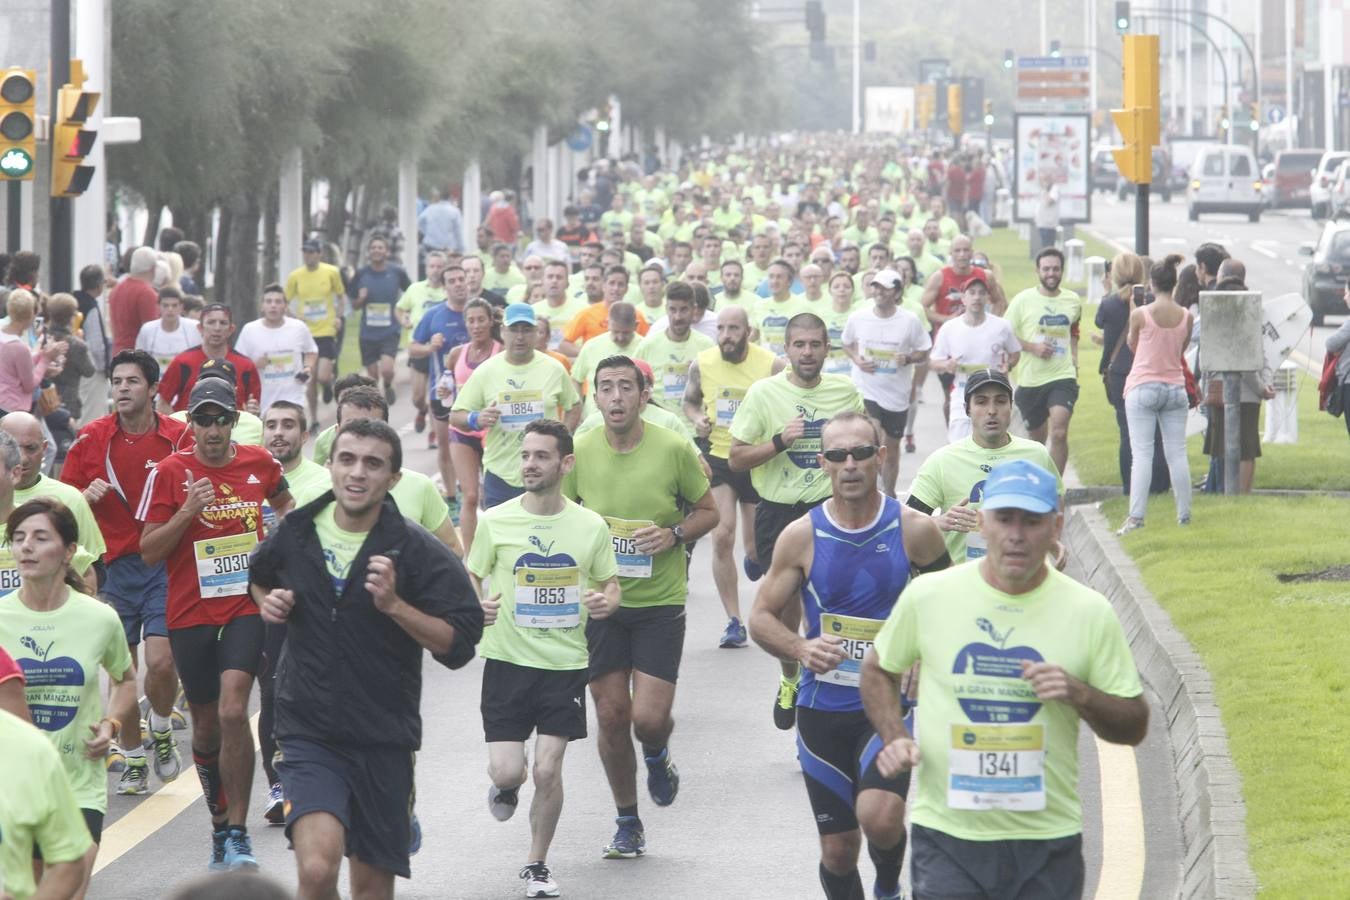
(856, 577)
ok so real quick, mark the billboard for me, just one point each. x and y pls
(1057, 145)
(888, 110)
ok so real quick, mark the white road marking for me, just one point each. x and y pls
(1264, 248)
(1122, 874)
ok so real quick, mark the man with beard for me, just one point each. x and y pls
(1045, 320)
(731, 292)
(776, 437)
(671, 350)
(719, 378)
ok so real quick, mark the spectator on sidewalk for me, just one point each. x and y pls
(134, 301)
(1339, 342)
(22, 368)
(94, 391)
(61, 310)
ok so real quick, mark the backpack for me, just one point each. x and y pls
(1328, 397)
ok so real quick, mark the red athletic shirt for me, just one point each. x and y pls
(178, 379)
(949, 293)
(104, 450)
(206, 557)
(9, 669)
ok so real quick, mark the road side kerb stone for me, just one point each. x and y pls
(1213, 815)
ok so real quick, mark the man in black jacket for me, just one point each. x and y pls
(362, 591)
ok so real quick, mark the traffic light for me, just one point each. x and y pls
(925, 96)
(1007, 59)
(71, 143)
(1122, 16)
(989, 112)
(1138, 121)
(1224, 121)
(18, 117)
(815, 21)
(603, 115)
(1254, 110)
(954, 108)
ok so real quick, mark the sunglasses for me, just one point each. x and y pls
(864, 451)
(206, 420)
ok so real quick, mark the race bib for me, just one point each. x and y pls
(976, 545)
(632, 563)
(164, 362)
(672, 383)
(315, 310)
(379, 315)
(1057, 336)
(9, 572)
(726, 408)
(279, 365)
(222, 564)
(996, 767)
(885, 359)
(519, 408)
(548, 598)
(857, 635)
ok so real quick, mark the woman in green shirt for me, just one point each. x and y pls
(61, 637)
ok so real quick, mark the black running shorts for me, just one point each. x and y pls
(838, 752)
(518, 700)
(647, 638)
(202, 652)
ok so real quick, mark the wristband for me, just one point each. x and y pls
(778, 443)
(473, 420)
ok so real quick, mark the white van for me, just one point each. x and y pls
(1224, 178)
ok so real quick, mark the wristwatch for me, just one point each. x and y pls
(678, 531)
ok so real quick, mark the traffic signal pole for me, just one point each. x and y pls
(14, 217)
(60, 213)
(1141, 219)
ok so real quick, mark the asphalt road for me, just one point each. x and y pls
(740, 828)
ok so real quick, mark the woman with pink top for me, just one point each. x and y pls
(466, 447)
(1155, 393)
(23, 368)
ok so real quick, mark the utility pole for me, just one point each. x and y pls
(60, 215)
(1289, 72)
(857, 66)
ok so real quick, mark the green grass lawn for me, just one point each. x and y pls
(1277, 654)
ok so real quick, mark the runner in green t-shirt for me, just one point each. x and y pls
(416, 300)
(952, 478)
(61, 637)
(552, 568)
(671, 350)
(776, 436)
(1014, 654)
(621, 338)
(769, 317)
(30, 482)
(1045, 319)
(506, 393)
(641, 479)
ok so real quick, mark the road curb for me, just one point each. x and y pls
(1213, 814)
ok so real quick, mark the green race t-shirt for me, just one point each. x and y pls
(590, 356)
(60, 652)
(36, 806)
(323, 445)
(91, 538)
(10, 579)
(541, 566)
(417, 299)
(540, 389)
(648, 485)
(560, 316)
(651, 413)
(793, 476)
(670, 368)
(340, 547)
(999, 764)
(957, 471)
(419, 499)
(308, 480)
(1039, 319)
(769, 317)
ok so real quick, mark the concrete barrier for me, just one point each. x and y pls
(1213, 815)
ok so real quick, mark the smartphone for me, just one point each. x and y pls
(302, 376)
(1138, 292)
(38, 323)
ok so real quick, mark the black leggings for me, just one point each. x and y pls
(267, 691)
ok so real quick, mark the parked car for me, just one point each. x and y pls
(1293, 178)
(1104, 171)
(1325, 275)
(1319, 191)
(1224, 178)
(1161, 185)
(1338, 196)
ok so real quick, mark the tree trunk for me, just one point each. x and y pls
(271, 250)
(154, 210)
(237, 257)
(336, 216)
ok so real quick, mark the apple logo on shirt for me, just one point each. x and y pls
(985, 700)
(53, 685)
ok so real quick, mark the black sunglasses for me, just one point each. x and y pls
(206, 420)
(864, 451)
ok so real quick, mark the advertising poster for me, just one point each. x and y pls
(1057, 145)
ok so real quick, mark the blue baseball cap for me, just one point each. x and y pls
(1018, 484)
(520, 312)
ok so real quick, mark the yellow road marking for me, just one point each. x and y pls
(156, 810)
(1122, 873)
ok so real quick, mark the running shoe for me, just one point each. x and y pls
(663, 779)
(629, 841)
(218, 841)
(734, 635)
(502, 804)
(275, 810)
(414, 836)
(389, 396)
(1130, 525)
(753, 570)
(909, 441)
(897, 894)
(239, 850)
(431, 440)
(178, 719)
(785, 704)
(168, 763)
(420, 423)
(539, 881)
(116, 760)
(135, 778)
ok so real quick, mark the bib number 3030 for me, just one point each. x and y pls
(222, 564)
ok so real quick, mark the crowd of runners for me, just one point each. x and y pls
(730, 352)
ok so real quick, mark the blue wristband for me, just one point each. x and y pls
(473, 420)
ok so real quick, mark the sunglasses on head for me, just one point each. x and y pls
(861, 452)
(206, 420)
